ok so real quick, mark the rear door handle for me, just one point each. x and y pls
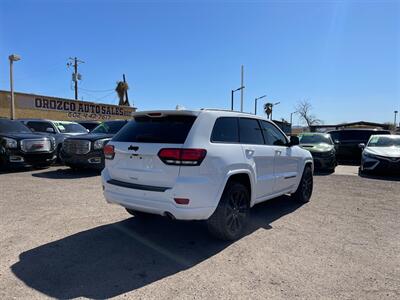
(278, 152)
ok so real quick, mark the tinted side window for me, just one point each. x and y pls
(272, 135)
(39, 126)
(250, 132)
(225, 130)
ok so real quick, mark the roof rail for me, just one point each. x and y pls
(226, 110)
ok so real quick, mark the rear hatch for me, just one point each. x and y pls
(137, 146)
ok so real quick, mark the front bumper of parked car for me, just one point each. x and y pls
(91, 160)
(380, 164)
(18, 158)
(324, 160)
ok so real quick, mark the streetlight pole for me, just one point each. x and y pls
(12, 58)
(395, 119)
(232, 92)
(273, 107)
(241, 88)
(255, 103)
(291, 121)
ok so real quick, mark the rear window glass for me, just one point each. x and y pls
(144, 129)
(225, 130)
(355, 135)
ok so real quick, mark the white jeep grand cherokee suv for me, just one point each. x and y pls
(203, 165)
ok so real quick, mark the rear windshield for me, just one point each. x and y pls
(355, 135)
(144, 129)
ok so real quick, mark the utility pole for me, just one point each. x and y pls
(126, 92)
(12, 58)
(395, 119)
(75, 76)
(241, 91)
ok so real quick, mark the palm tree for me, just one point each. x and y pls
(121, 89)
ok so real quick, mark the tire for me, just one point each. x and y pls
(229, 221)
(304, 191)
(138, 214)
(331, 170)
(58, 159)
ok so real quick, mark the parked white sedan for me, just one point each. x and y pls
(381, 154)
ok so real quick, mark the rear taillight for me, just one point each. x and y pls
(108, 151)
(182, 157)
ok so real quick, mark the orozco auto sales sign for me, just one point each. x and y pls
(74, 109)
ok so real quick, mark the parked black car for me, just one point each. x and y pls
(20, 147)
(321, 148)
(347, 142)
(89, 124)
(86, 151)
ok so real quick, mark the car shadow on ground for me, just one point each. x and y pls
(66, 174)
(323, 172)
(116, 258)
(349, 162)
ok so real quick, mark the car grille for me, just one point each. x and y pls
(76, 146)
(36, 145)
(322, 154)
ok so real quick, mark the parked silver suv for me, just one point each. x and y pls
(57, 129)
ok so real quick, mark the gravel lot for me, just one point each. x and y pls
(58, 238)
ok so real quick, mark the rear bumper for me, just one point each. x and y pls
(93, 160)
(201, 206)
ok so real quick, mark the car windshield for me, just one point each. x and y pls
(384, 141)
(315, 139)
(111, 127)
(8, 126)
(68, 127)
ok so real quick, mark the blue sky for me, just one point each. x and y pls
(342, 56)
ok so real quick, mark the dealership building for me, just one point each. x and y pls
(53, 108)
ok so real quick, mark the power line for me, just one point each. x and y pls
(97, 91)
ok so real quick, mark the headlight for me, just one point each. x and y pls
(10, 143)
(367, 154)
(99, 144)
(53, 142)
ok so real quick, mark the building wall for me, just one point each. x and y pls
(47, 107)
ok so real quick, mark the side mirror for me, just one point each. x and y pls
(294, 141)
(361, 146)
(50, 130)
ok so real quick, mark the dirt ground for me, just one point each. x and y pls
(58, 238)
